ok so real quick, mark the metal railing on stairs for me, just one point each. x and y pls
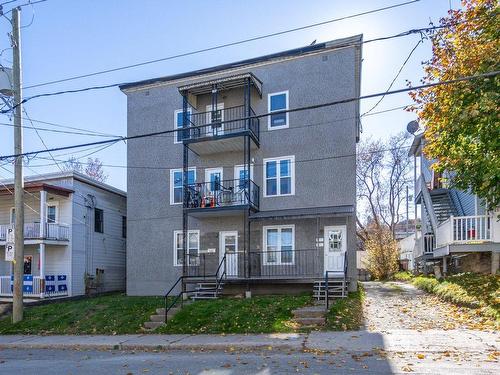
(344, 281)
(180, 295)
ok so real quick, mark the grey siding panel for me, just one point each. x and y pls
(328, 134)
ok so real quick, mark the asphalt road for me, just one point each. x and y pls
(48, 361)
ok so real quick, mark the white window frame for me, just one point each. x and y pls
(237, 169)
(56, 205)
(172, 171)
(176, 232)
(287, 125)
(278, 255)
(278, 177)
(176, 112)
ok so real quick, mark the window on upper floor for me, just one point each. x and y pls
(193, 248)
(51, 213)
(176, 185)
(179, 122)
(279, 176)
(124, 227)
(277, 102)
(98, 220)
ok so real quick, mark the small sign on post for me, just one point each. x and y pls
(9, 244)
(9, 252)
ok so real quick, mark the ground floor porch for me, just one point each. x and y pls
(46, 272)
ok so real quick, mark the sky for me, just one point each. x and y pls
(65, 38)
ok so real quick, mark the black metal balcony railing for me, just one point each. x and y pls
(220, 122)
(279, 264)
(224, 193)
(286, 263)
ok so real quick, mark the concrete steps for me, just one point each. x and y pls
(310, 316)
(158, 319)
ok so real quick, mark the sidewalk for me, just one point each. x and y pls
(355, 341)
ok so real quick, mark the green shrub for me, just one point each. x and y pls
(403, 276)
(426, 283)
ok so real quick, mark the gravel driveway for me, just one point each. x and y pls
(397, 305)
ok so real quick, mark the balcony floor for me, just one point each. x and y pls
(233, 142)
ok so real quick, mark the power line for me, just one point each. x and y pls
(59, 131)
(298, 109)
(195, 52)
(254, 164)
(41, 139)
(24, 5)
(91, 88)
(396, 77)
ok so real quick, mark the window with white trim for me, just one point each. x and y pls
(193, 248)
(279, 244)
(176, 184)
(179, 123)
(276, 102)
(52, 213)
(279, 176)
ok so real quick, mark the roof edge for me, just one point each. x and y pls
(296, 52)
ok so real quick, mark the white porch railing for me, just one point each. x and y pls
(55, 286)
(52, 231)
(463, 229)
(429, 243)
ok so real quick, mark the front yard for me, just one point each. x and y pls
(121, 314)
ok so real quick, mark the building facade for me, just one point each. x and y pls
(457, 232)
(75, 236)
(245, 188)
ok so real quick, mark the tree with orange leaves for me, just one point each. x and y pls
(461, 120)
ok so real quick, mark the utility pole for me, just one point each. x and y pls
(17, 305)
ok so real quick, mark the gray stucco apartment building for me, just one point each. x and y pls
(265, 202)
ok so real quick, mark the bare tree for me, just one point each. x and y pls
(93, 168)
(383, 172)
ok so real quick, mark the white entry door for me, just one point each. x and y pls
(229, 246)
(335, 248)
(213, 179)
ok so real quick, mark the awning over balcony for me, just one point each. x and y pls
(37, 187)
(224, 83)
(304, 213)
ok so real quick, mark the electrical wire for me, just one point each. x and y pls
(421, 41)
(195, 52)
(298, 109)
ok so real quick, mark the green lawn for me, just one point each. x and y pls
(347, 314)
(110, 314)
(260, 314)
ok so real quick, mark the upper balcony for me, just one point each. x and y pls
(40, 232)
(219, 115)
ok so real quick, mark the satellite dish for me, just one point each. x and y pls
(412, 127)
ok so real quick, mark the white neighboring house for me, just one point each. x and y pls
(407, 249)
(75, 236)
(457, 231)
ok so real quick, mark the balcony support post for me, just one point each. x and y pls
(41, 250)
(43, 213)
(185, 170)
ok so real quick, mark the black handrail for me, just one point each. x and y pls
(181, 294)
(169, 307)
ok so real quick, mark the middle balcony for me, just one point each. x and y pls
(217, 196)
